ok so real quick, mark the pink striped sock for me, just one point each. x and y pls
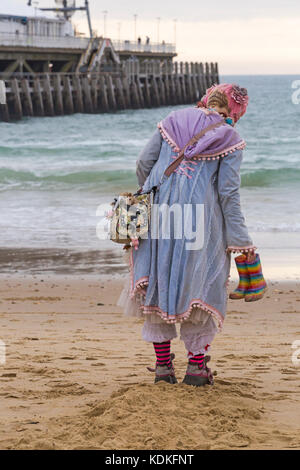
(197, 359)
(163, 353)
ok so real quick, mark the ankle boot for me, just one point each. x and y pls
(244, 282)
(199, 376)
(164, 373)
(258, 284)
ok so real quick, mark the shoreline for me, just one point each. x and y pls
(280, 257)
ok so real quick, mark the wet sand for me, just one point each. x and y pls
(75, 374)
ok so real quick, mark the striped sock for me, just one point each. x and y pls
(163, 353)
(197, 359)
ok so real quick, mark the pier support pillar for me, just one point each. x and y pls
(87, 96)
(94, 93)
(103, 95)
(38, 104)
(203, 79)
(147, 92)
(28, 107)
(208, 75)
(49, 105)
(156, 97)
(68, 97)
(78, 100)
(127, 92)
(140, 92)
(120, 94)
(162, 90)
(58, 98)
(111, 93)
(18, 112)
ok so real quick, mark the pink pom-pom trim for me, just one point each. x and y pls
(241, 249)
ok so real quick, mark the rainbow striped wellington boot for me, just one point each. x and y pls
(258, 285)
(244, 284)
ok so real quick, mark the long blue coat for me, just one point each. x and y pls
(167, 279)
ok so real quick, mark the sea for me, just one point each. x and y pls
(56, 172)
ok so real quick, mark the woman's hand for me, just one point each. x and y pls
(251, 256)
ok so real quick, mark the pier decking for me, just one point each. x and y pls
(131, 85)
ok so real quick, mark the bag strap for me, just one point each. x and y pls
(171, 168)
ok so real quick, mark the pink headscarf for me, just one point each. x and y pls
(237, 97)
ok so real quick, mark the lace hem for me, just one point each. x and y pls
(158, 333)
(136, 299)
(140, 287)
(167, 138)
(179, 318)
(203, 351)
(241, 249)
(214, 156)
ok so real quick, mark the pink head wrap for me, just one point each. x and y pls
(237, 97)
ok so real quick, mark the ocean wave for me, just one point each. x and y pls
(72, 144)
(10, 179)
(57, 166)
(273, 140)
(274, 228)
(92, 177)
(270, 177)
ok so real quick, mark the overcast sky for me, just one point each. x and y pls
(258, 37)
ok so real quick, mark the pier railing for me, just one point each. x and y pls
(72, 42)
(136, 46)
(129, 86)
(55, 42)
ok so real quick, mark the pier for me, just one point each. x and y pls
(128, 85)
(47, 70)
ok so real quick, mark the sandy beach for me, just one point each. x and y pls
(75, 375)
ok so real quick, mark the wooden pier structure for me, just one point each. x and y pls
(130, 85)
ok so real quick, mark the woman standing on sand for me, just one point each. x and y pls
(172, 282)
